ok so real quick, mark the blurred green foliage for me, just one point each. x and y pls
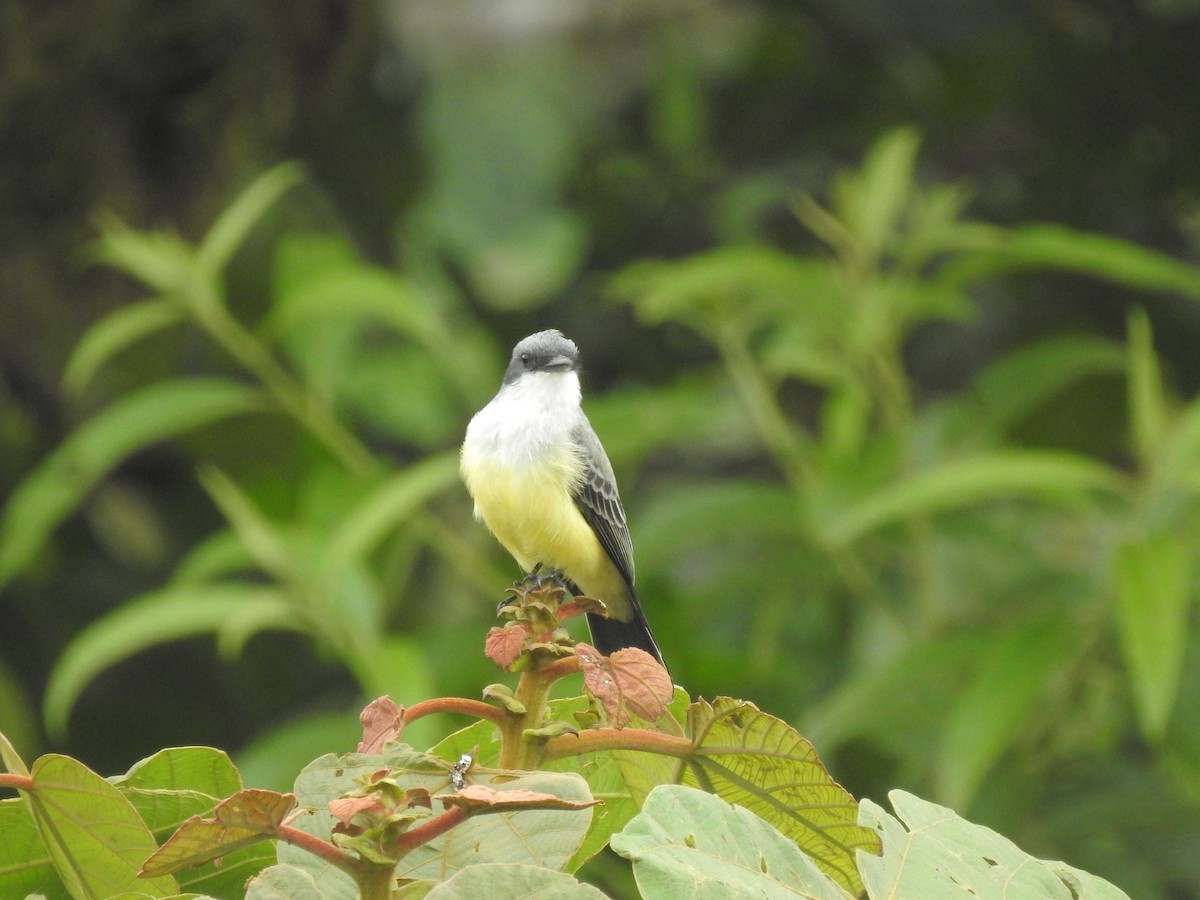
(920, 483)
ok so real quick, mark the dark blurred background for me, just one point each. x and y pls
(516, 154)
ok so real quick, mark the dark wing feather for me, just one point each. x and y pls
(598, 500)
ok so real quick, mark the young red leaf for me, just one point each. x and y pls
(479, 798)
(382, 721)
(629, 681)
(504, 645)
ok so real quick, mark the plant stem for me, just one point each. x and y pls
(459, 705)
(596, 739)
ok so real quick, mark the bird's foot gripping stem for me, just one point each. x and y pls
(545, 585)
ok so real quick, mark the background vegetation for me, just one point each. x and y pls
(904, 467)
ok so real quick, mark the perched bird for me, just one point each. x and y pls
(544, 487)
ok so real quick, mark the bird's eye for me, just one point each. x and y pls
(526, 359)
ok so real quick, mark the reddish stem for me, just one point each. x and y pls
(351, 865)
(435, 827)
(16, 782)
(595, 739)
(459, 705)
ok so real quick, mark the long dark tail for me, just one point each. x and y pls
(610, 635)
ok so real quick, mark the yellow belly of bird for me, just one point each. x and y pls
(535, 519)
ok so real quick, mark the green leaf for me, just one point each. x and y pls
(162, 260)
(498, 881)
(246, 819)
(941, 855)
(175, 784)
(870, 202)
(217, 556)
(687, 843)
(547, 838)
(155, 618)
(115, 332)
(272, 759)
(230, 229)
(730, 285)
(1011, 674)
(25, 866)
(1147, 400)
(1021, 382)
(258, 534)
(1057, 247)
(95, 838)
(60, 483)
(290, 883)
(389, 505)
(1153, 579)
(1001, 475)
(761, 763)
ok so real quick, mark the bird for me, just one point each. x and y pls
(543, 486)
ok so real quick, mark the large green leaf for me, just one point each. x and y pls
(688, 843)
(25, 865)
(166, 615)
(1153, 584)
(761, 763)
(498, 881)
(139, 419)
(930, 852)
(95, 838)
(171, 786)
(548, 838)
(1000, 475)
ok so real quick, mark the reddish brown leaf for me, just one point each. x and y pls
(479, 798)
(504, 645)
(382, 721)
(246, 818)
(629, 681)
(346, 808)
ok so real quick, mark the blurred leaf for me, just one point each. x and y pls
(154, 618)
(96, 840)
(354, 291)
(687, 516)
(17, 721)
(60, 483)
(997, 249)
(112, 334)
(230, 229)
(258, 534)
(871, 201)
(390, 505)
(743, 285)
(684, 838)
(219, 555)
(272, 759)
(1018, 383)
(899, 705)
(1147, 402)
(941, 855)
(1010, 675)
(759, 762)
(1153, 582)
(162, 260)
(1000, 475)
